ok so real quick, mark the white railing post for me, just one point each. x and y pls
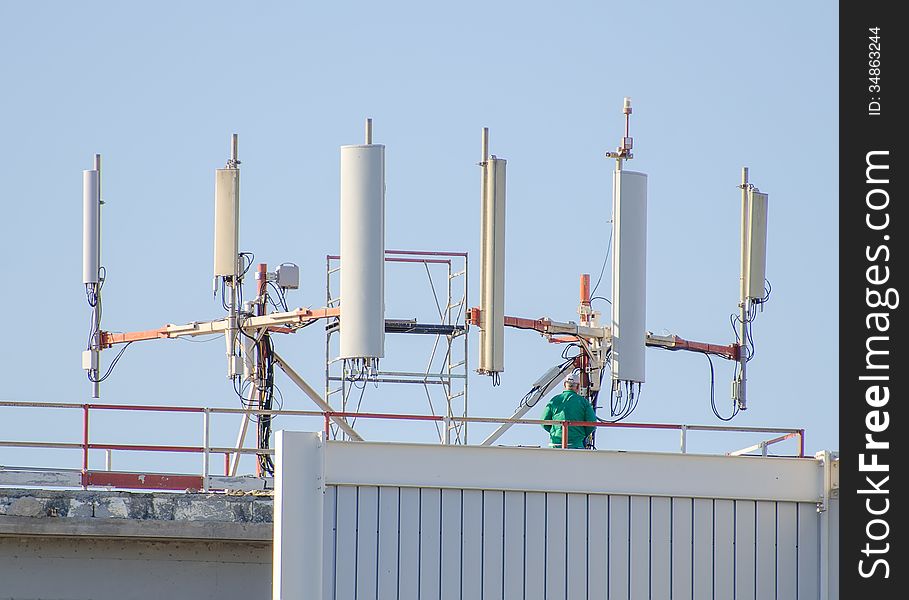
(206, 427)
(683, 442)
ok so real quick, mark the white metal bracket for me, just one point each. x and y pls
(830, 463)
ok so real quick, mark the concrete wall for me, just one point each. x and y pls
(71, 568)
(100, 545)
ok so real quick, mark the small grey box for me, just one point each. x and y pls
(289, 276)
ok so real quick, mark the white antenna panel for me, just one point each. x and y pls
(629, 275)
(227, 221)
(363, 251)
(91, 225)
(492, 269)
(756, 247)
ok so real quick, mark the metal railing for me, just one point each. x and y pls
(133, 480)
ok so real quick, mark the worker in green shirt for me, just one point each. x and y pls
(569, 406)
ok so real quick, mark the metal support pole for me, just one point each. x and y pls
(328, 303)
(485, 146)
(233, 324)
(584, 314)
(564, 435)
(108, 459)
(449, 357)
(466, 348)
(206, 443)
(241, 436)
(368, 132)
(263, 421)
(801, 443)
(743, 298)
(234, 281)
(446, 435)
(96, 310)
(84, 446)
(684, 439)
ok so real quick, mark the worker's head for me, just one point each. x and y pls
(571, 383)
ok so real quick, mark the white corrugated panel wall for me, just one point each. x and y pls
(429, 543)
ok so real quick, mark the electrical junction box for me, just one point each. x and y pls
(289, 276)
(89, 360)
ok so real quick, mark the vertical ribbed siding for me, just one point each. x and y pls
(745, 555)
(681, 540)
(429, 543)
(513, 555)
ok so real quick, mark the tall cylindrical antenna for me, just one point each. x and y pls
(629, 276)
(226, 248)
(492, 263)
(368, 131)
(91, 266)
(91, 218)
(362, 199)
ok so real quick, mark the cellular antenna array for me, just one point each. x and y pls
(591, 348)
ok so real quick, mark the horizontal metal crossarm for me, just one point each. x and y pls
(423, 328)
(674, 342)
(278, 321)
(549, 327)
(411, 326)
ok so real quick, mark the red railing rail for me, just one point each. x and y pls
(181, 481)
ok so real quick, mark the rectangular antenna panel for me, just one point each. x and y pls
(91, 226)
(629, 275)
(362, 251)
(227, 221)
(756, 245)
(492, 269)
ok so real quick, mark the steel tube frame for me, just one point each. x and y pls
(446, 376)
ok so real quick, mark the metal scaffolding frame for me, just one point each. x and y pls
(446, 370)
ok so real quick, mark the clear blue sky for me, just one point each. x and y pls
(158, 88)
